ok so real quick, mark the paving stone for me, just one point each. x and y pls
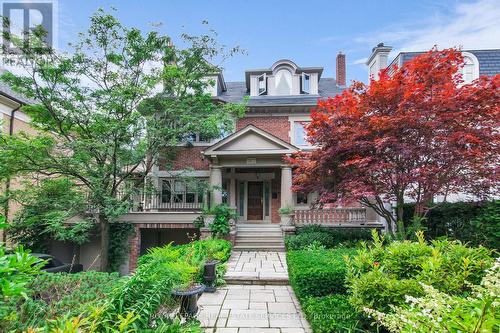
(259, 330)
(235, 304)
(208, 315)
(281, 308)
(212, 298)
(258, 306)
(262, 297)
(284, 299)
(226, 330)
(248, 318)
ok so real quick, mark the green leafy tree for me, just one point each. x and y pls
(45, 212)
(110, 108)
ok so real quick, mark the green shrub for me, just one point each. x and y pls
(60, 294)
(379, 276)
(331, 313)
(300, 241)
(475, 223)
(436, 311)
(223, 214)
(328, 237)
(318, 272)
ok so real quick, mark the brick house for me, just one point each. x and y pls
(247, 166)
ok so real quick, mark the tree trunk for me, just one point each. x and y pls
(104, 224)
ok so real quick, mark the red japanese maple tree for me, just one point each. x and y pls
(415, 133)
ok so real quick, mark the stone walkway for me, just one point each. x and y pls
(252, 308)
(257, 303)
(257, 268)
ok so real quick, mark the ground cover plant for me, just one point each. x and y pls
(104, 302)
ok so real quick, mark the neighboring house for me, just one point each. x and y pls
(477, 62)
(12, 121)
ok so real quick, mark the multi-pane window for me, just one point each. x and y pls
(180, 191)
(262, 82)
(468, 75)
(300, 134)
(306, 83)
(196, 137)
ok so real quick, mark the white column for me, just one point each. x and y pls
(216, 185)
(286, 186)
(232, 192)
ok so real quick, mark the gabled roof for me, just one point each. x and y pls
(251, 140)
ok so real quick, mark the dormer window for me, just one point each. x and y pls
(305, 84)
(283, 79)
(262, 81)
(470, 71)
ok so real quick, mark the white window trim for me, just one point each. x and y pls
(475, 62)
(265, 84)
(293, 120)
(303, 77)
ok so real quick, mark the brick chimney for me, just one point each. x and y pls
(340, 69)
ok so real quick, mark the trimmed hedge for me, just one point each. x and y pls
(318, 272)
(473, 222)
(327, 237)
(331, 313)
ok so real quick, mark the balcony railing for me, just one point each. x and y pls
(341, 217)
(155, 201)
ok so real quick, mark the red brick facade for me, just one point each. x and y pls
(278, 126)
(186, 158)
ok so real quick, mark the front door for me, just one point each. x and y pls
(255, 200)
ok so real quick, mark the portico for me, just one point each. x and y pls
(247, 171)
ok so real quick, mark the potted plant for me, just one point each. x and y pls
(208, 216)
(286, 215)
(210, 275)
(189, 299)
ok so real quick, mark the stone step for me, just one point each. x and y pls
(258, 226)
(260, 247)
(260, 234)
(259, 240)
(277, 281)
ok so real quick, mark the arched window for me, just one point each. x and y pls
(283, 79)
(470, 71)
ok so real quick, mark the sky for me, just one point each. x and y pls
(310, 33)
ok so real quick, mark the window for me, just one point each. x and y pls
(301, 199)
(300, 133)
(468, 70)
(306, 83)
(262, 84)
(283, 79)
(196, 137)
(180, 191)
(166, 191)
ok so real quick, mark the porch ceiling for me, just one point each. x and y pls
(250, 140)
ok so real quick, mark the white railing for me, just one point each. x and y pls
(348, 217)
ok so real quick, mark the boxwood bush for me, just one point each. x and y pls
(331, 313)
(327, 237)
(318, 272)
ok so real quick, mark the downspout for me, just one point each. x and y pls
(7, 183)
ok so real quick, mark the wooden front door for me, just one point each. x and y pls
(255, 200)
